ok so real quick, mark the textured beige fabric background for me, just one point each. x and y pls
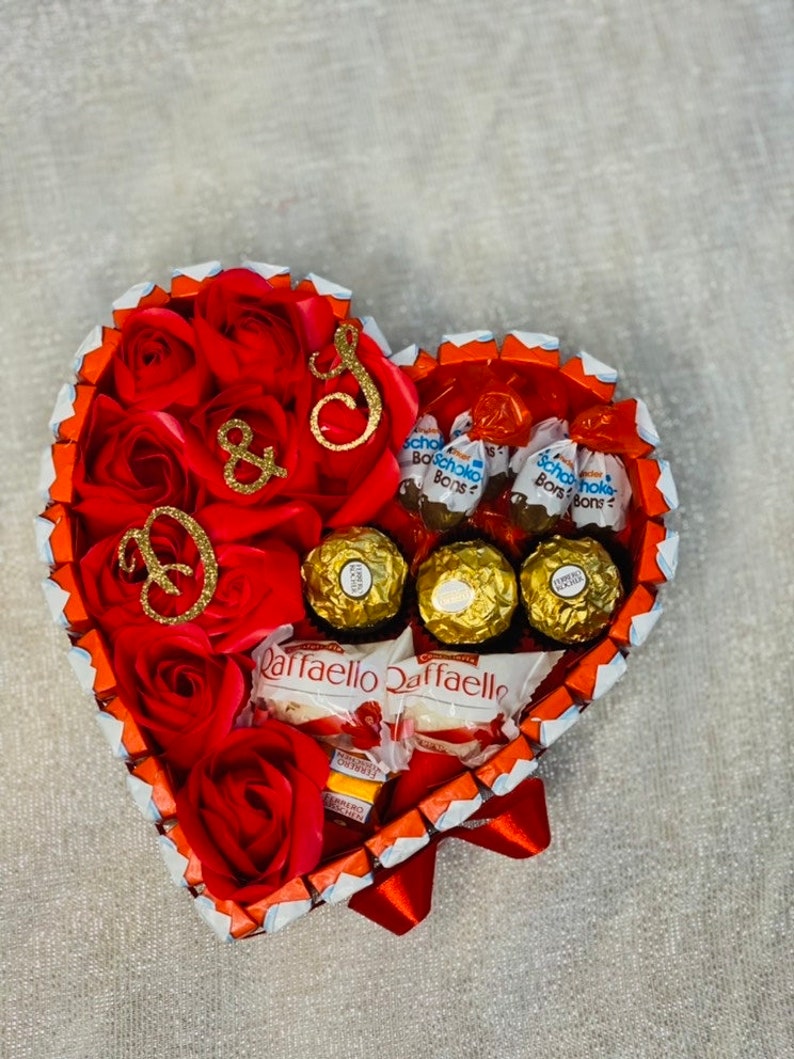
(615, 171)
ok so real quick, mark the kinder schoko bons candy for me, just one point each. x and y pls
(603, 493)
(546, 477)
(424, 441)
(454, 483)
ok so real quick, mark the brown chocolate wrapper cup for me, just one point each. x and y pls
(570, 589)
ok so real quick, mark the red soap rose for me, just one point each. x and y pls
(155, 367)
(249, 330)
(351, 486)
(271, 428)
(132, 462)
(252, 810)
(258, 587)
(182, 695)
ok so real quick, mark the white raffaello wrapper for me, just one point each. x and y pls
(603, 492)
(465, 704)
(333, 692)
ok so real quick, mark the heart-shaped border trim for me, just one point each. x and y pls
(595, 672)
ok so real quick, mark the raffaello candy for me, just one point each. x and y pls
(464, 704)
(334, 692)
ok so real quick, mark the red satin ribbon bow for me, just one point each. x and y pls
(401, 896)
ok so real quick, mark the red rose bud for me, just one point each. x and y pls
(181, 694)
(132, 462)
(155, 367)
(258, 588)
(625, 428)
(248, 330)
(252, 810)
(334, 692)
(251, 480)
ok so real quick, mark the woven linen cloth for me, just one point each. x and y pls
(617, 172)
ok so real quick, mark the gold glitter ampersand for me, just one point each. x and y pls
(346, 342)
(241, 452)
(158, 572)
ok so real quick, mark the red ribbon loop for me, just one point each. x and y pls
(401, 896)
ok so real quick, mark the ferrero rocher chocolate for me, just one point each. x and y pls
(467, 592)
(354, 579)
(570, 589)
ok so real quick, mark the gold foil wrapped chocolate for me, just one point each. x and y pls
(570, 589)
(467, 592)
(355, 578)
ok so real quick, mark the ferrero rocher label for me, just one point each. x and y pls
(467, 592)
(355, 578)
(570, 589)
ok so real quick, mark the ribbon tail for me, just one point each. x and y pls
(401, 896)
(520, 830)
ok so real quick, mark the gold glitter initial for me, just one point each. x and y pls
(346, 342)
(266, 462)
(158, 572)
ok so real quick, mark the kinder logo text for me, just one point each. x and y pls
(461, 467)
(423, 443)
(559, 469)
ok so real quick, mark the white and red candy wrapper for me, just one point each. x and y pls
(464, 704)
(334, 692)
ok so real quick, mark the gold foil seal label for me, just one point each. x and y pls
(453, 596)
(568, 581)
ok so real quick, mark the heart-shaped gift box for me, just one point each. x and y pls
(211, 439)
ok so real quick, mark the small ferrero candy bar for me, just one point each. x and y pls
(467, 592)
(570, 589)
(353, 787)
(603, 493)
(424, 441)
(546, 478)
(355, 578)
